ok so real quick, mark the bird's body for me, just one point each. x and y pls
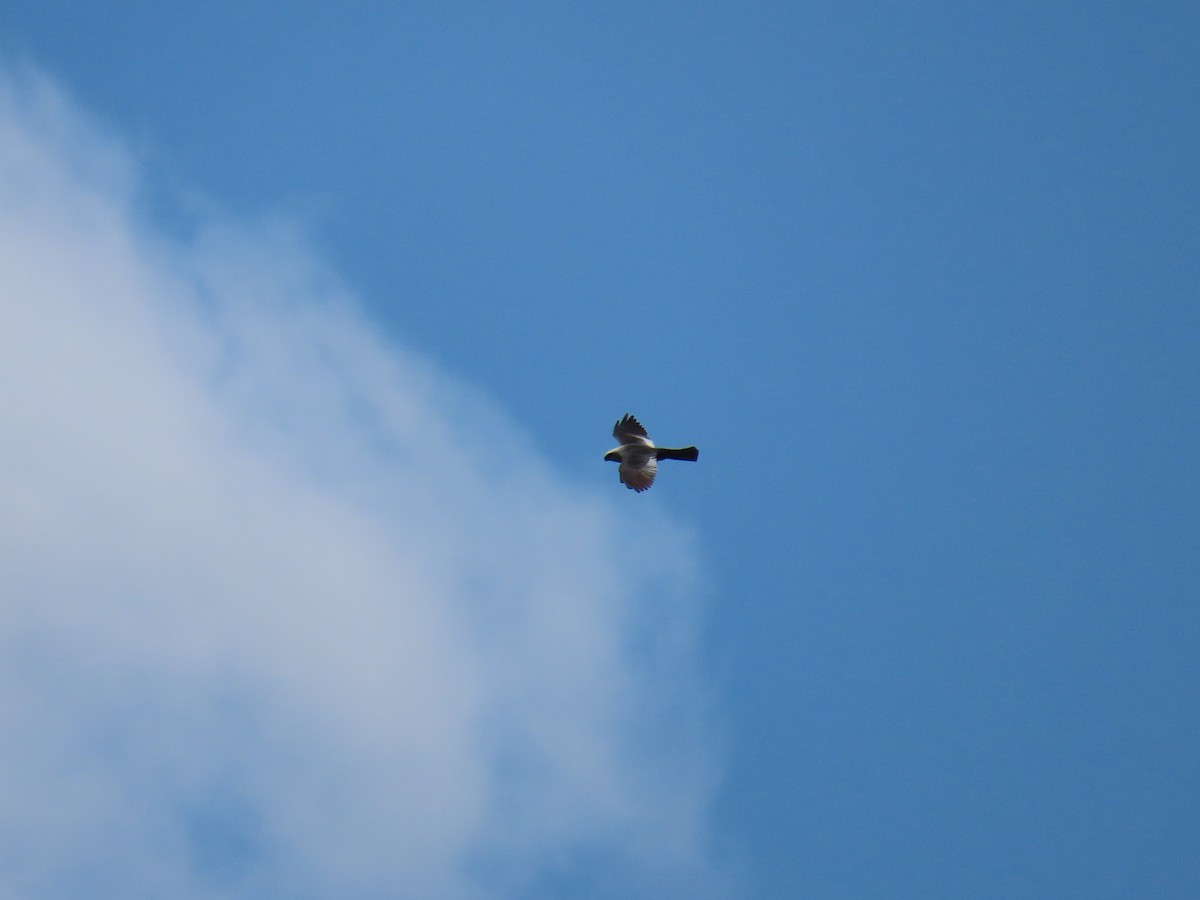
(639, 457)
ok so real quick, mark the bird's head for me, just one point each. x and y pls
(613, 456)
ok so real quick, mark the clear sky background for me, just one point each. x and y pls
(292, 609)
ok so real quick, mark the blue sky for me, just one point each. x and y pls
(918, 279)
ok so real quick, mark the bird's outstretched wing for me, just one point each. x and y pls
(629, 430)
(637, 472)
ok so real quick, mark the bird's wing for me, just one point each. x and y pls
(629, 430)
(637, 472)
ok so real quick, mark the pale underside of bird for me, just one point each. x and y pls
(638, 456)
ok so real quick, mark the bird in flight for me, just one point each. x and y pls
(638, 456)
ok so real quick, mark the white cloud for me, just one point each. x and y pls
(258, 637)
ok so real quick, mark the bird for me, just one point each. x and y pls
(638, 456)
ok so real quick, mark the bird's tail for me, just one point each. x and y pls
(691, 454)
